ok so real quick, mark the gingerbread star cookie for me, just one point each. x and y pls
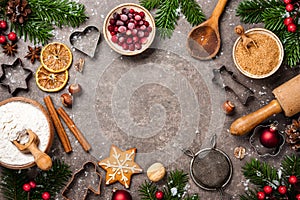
(120, 166)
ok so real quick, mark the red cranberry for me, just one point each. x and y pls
(122, 39)
(143, 27)
(141, 22)
(134, 32)
(131, 47)
(131, 25)
(289, 7)
(116, 16)
(288, 21)
(12, 36)
(119, 23)
(131, 11)
(111, 28)
(129, 40)
(146, 23)
(122, 29)
(112, 33)
(143, 40)
(141, 34)
(149, 29)
(130, 16)
(3, 25)
(292, 28)
(124, 17)
(138, 46)
(146, 34)
(112, 21)
(2, 39)
(125, 46)
(114, 39)
(125, 11)
(142, 14)
(128, 32)
(137, 17)
(116, 29)
(135, 39)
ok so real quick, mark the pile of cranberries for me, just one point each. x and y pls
(12, 36)
(289, 21)
(129, 29)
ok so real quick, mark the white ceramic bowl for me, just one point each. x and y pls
(115, 46)
(259, 31)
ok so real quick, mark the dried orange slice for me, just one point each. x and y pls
(49, 81)
(56, 57)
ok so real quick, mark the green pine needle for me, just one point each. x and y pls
(192, 11)
(147, 191)
(150, 5)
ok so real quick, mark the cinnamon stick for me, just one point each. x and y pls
(73, 128)
(58, 125)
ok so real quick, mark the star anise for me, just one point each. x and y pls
(10, 49)
(33, 53)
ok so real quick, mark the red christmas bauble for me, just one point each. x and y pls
(292, 28)
(121, 195)
(3, 25)
(46, 196)
(293, 180)
(26, 187)
(268, 189)
(12, 36)
(269, 138)
(288, 20)
(282, 189)
(159, 195)
(287, 1)
(298, 196)
(289, 7)
(32, 184)
(2, 39)
(261, 195)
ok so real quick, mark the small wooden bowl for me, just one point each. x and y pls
(271, 35)
(115, 46)
(49, 138)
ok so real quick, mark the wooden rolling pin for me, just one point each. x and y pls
(287, 100)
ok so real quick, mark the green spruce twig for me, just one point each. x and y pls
(192, 11)
(147, 191)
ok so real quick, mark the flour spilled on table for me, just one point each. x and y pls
(15, 117)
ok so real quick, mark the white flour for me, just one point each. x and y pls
(17, 116)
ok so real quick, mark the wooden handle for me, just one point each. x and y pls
(42, 160)
(246, 123)
(218, 9)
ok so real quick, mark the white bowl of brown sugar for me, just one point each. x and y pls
(259, 60)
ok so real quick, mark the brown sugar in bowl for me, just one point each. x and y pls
(45, 141)
(260, 62)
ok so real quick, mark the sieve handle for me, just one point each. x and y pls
(224, 195)
(189, 153)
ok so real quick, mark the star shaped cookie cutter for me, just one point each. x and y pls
(87, 173)
(15, 76)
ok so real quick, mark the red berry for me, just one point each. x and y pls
(131, 11)
(146, 23)
(129, 40)
(114, 39)
(3, 25)
(111, 28)
(12, 36)
(2, 39)
(268, 189)
(131, 47)
(112, 33)
(288, 21)
(298, 196)
(282, 189)
(159, 195)
(293, 180)
(112, 21)
(125, 46)
(138, 46)
(142, 14)
(26, 187)
(32, 184)
(289, 7)
(261, 195)
(46, 196)
(292, 28)
(287, 1)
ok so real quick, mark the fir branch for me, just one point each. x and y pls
(176, 180)
(291, 42)
(192, 11)
(260, 174)
(249, 195)
(166, 17)
(150, 4)
(250, 11)
(290, 166)
(147, 191)
(35, 30)
(59, 12)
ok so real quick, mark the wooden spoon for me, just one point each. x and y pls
(42, 160)
(204, 40)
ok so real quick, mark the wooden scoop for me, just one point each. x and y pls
(42, 160)
(287, 100)
(246, 41)
(204, 40)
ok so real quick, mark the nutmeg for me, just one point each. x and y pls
(74, 88)
(228, 107)
(66, 100)
(156, 172)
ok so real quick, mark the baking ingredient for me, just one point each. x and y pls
(261, 60)
(228, 107)
(129, 30)
(156, 172)
(49, 81)
(33, 53)
(66, 100)
(239, 152)
(10, 49)
(74, 88)
(17, 116)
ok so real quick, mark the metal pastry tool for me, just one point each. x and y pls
(27, 141)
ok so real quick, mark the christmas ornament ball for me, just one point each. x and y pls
(26, 187)
(159, 195)
(261, 195)
(268, 189)
(282, 189)
(3, 25)
(269, 138)
(121, 195)
(293, 179)
(46, 196)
